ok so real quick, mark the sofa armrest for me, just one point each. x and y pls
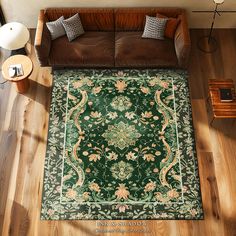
(182, 42)
(42, 42)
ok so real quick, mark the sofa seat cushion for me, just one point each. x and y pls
(92, 49)
(133, 50)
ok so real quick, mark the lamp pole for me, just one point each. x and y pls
(213, 22)
(2, 18)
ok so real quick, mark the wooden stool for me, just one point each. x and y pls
(21, 82)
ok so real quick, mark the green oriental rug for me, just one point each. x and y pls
(121, 146)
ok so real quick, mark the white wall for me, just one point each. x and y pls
(26, 11)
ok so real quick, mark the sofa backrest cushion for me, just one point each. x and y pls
(133, 19)
(92, 19)
(112, 19)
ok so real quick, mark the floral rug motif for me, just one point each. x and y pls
(121, 146)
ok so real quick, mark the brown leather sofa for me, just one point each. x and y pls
(112, 39)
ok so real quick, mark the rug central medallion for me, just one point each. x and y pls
(121, 135)
(118, 141)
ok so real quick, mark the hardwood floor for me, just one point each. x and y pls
(23, 136)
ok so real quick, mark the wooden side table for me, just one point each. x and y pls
(21, 82)
(221, 109)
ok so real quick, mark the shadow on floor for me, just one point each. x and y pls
(19, 221)
(39, 93)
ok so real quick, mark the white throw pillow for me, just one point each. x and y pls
(154, 28)
(56, 28)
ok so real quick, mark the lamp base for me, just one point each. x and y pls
(207, 44)
(20, 51)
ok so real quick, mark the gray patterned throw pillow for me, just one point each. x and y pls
(73, 27)
(56, 28)
(154, 28)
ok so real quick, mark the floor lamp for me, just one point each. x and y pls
(14, 36)
(208, 43)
